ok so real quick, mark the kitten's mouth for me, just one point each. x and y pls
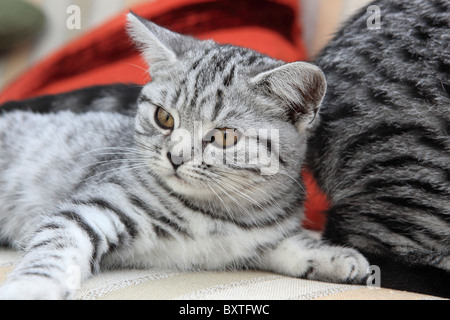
(187, 186)
(187, 182)
(180, 178)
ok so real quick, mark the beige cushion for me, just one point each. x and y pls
(239, 285)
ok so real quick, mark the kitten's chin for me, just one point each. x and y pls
(189, 188)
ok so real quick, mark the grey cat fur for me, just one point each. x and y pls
(99, 190)
(382, 148)
(397, 73)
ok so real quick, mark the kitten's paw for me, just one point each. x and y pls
(309, 258)
(347, 266)
(335, 264)
(33, 288)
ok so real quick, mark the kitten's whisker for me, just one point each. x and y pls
(139, 67)
(240, 205)
(128, 137)
(127, 168)
(296, 181)
(240, 185)
(245, 196)
(201, 180)
(113, 149)
(111, 161)
(230, 212)
(266, 193)
(271, 214)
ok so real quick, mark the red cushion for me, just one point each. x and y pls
(106, 55)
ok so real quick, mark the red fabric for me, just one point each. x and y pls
(106, 55)
(316, 204)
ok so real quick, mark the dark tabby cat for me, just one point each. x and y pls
(381, 151)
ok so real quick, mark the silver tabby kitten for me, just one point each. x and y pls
(101, 190)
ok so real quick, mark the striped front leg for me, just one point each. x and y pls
(304, 256)
(66, 248)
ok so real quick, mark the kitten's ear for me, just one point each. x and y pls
(159, 46)
(298, 87)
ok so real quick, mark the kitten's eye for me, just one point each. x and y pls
(225, 137)
(164, 119)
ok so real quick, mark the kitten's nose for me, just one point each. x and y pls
(175, 160)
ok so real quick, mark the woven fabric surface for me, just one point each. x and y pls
(237, 285)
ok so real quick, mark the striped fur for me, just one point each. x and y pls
(120, 98)
(86, 191)
(382, 149)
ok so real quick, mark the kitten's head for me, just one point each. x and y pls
(220, 123)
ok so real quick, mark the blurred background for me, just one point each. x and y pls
(319, 20)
